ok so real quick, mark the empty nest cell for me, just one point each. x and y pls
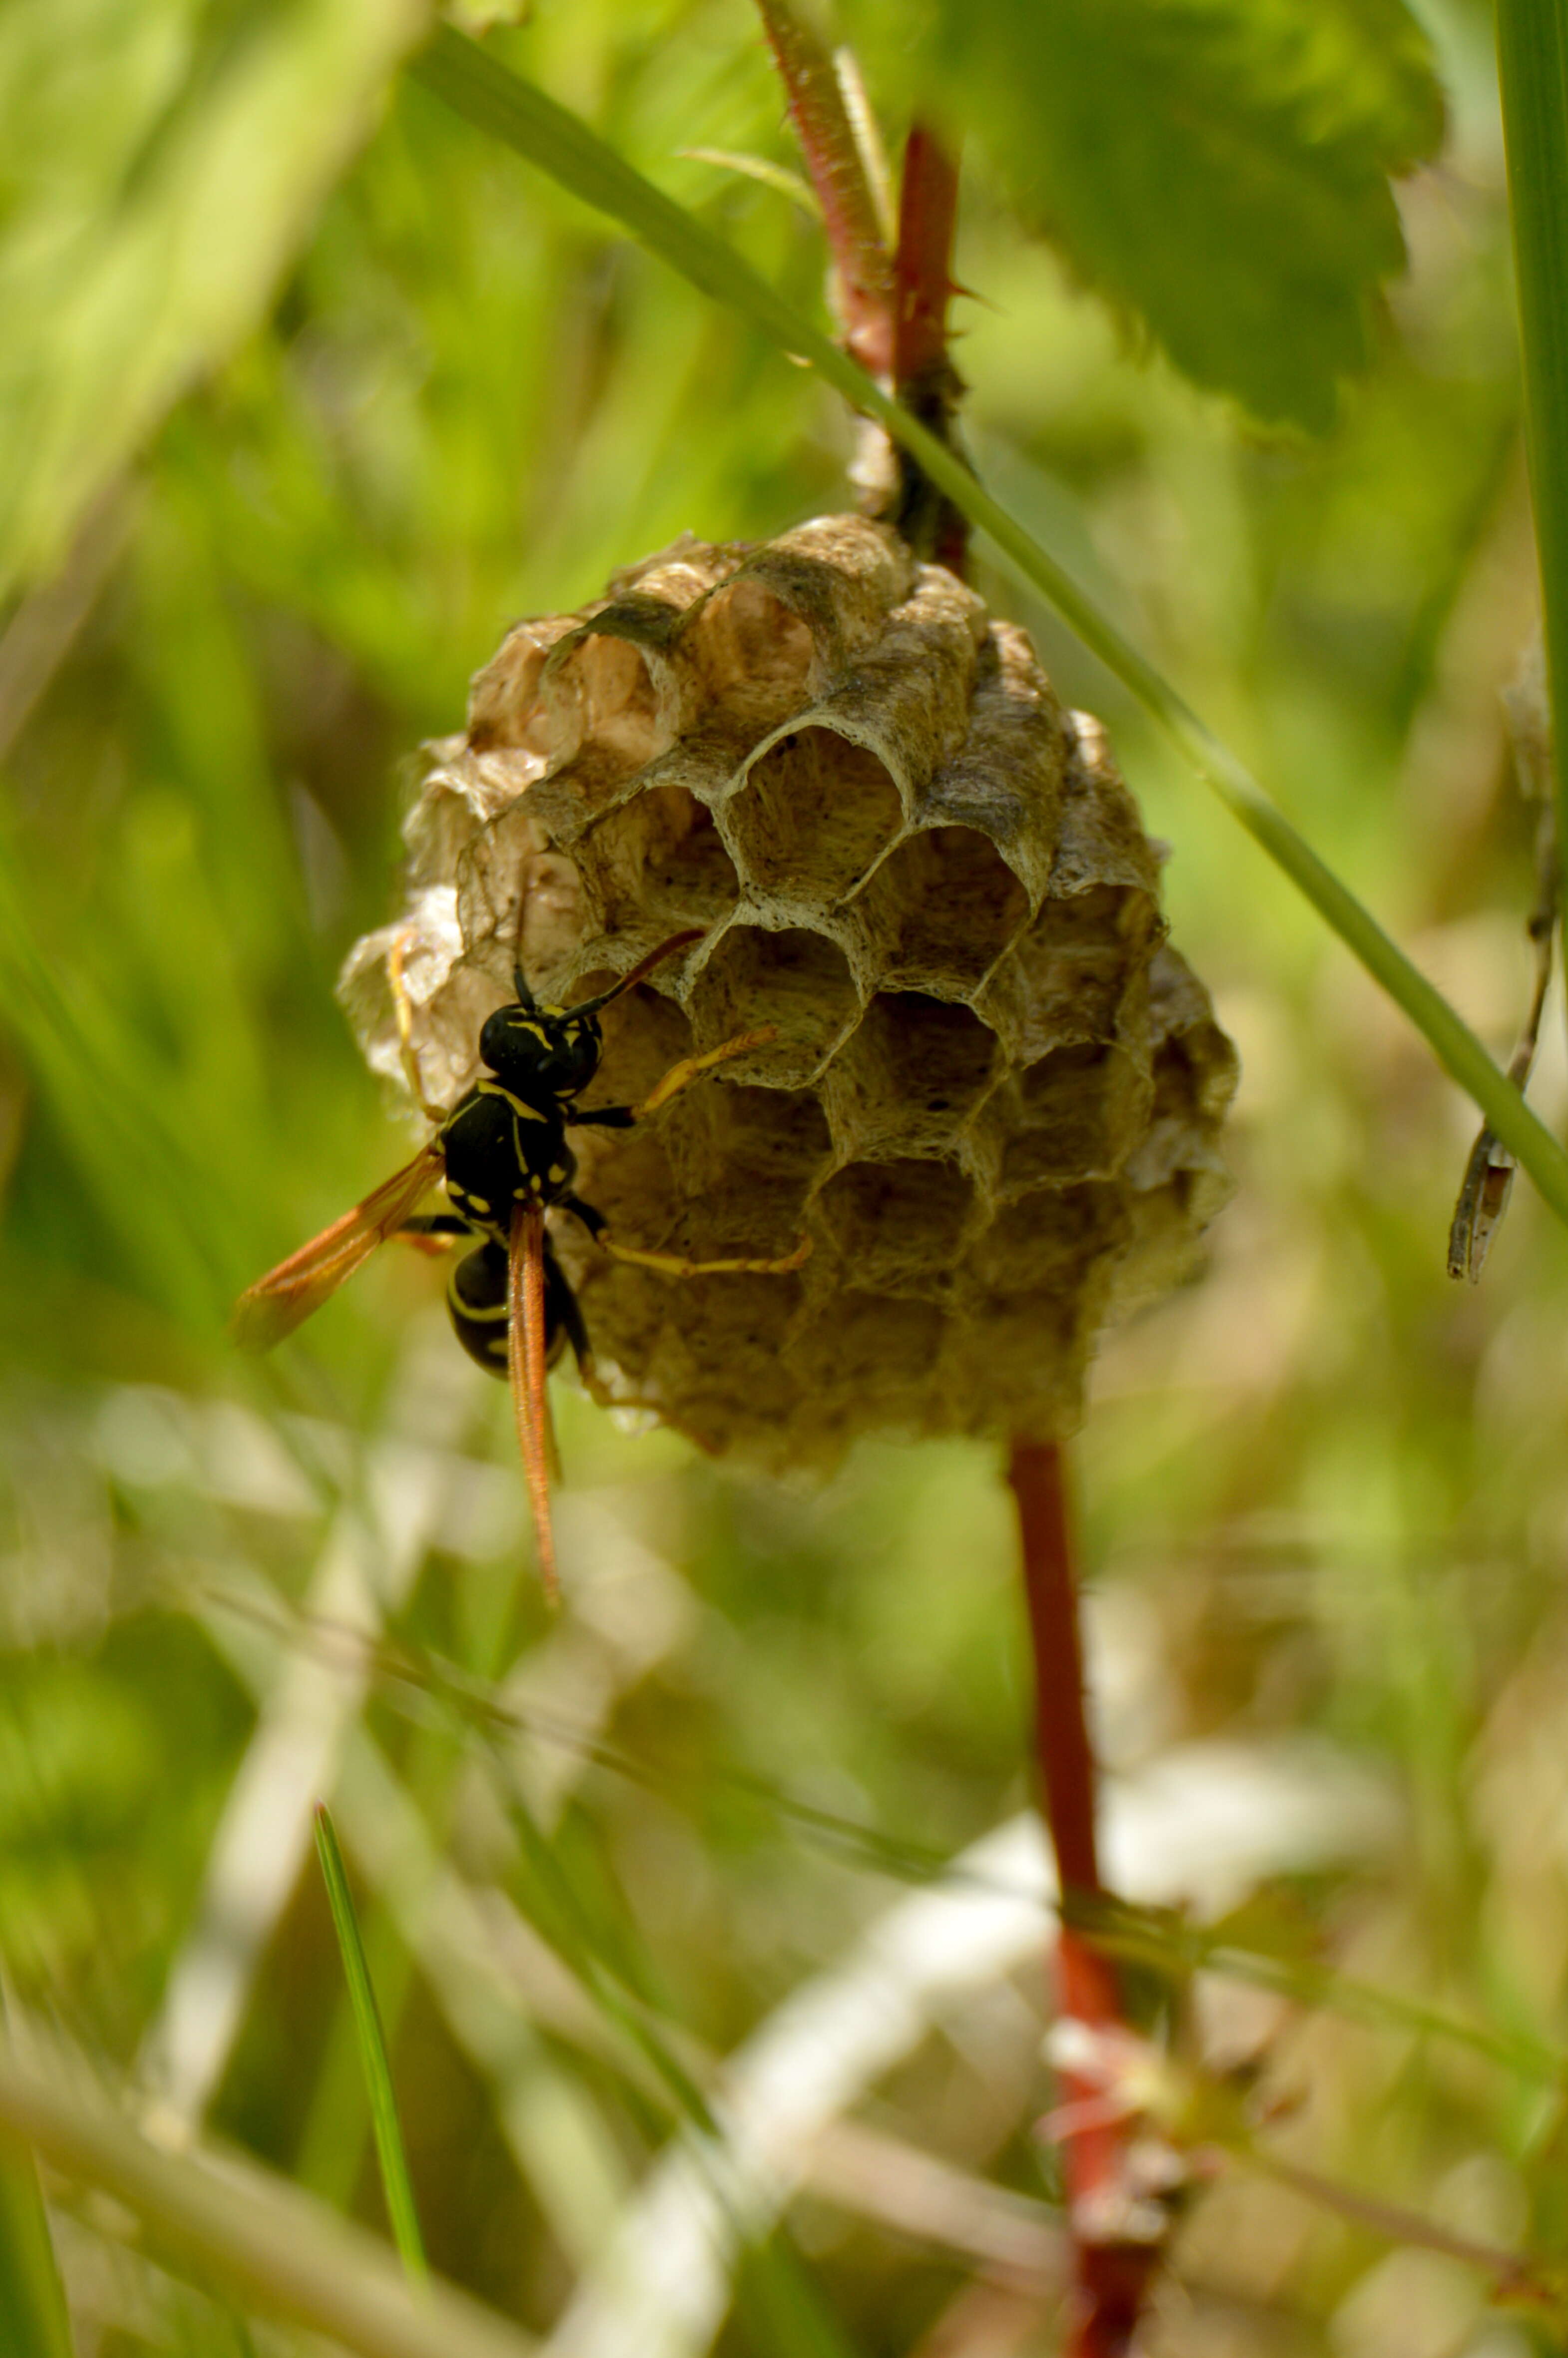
(747, 1158)
(1048, 1238)
(605, 726)
(1016, 1366)
(794, 980)
(911, 1076)
(601, 688)
(898, 1225)
(506, 706)
(946, 906)
(630, 1184)
(750, 1140)
(708, 1349)
(1074, 962)
(751, 653)
(814, 814)
(1077, 1112)
(876, 1349)
(656, 864)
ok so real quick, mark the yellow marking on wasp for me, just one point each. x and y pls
(557, 1172)
(524, 1112)
(476, 1202)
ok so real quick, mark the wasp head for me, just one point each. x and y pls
(542, 1053)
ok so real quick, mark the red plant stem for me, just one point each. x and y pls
(832, 161)
(1112, 2271)
(923, 266)
(923, 376)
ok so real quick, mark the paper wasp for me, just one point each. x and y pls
(502, 1156)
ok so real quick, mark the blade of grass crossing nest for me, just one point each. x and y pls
(525, 1367)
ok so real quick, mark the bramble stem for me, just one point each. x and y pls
(864, 294)
(1112, 2272)
(923, 267)
(924, 379)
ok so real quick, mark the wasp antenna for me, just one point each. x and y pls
(520, 986)
(634, 975)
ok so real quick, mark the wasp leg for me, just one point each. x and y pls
(679, 1076)
(431, 1232)
(594, 1222)
(605, 1118)
(570, 1312)
(675, 1264)
(691, 1068)
(403, 1009)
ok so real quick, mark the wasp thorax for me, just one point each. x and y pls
(992, 1092)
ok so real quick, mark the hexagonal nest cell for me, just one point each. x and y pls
(1074, 1109)
(991, 1094)
(946, 906)
(897, 1226)
(657, 864)
(796, 982)
(812, 816)
(911, 1075)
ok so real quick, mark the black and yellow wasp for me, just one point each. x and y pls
(502, 1156)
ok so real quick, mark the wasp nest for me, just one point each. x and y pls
(994, 1091)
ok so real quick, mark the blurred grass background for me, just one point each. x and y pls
(1325, 1492)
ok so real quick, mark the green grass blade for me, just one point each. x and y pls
(32, 2299)
(482, 89)
(245, 2228)
(1532, 65)
(394, 2178)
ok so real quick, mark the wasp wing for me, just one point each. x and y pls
(527, 1349)
(287, 1295)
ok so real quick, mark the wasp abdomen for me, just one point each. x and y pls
(476, 1304)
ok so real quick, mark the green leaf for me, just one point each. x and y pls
(1219, 168)
(164, 162)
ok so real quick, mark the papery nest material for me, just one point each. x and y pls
(995, 1092)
